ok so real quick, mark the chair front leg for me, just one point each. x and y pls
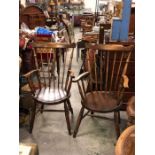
(117, 121)
(32, 118)
(69, 106)
(78, 122)
(67, 117)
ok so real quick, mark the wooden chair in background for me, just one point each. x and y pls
(87, 23)
(102, 84)
(51, 81)
(70, 30)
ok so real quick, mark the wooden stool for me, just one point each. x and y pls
(131, 111)
(126, 143)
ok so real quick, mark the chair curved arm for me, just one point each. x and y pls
(28, 77)
(125, 81)
(81, 76)
(30, 73)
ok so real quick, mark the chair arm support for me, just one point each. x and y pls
(125, 81)
(83, 75)
(30, 83)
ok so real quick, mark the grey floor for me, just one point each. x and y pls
(96, 136)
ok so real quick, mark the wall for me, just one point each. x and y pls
(90, 4)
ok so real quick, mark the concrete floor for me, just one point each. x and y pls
(96, 136)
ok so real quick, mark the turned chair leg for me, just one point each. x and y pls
(117, 121)
(70, 107)
(67, 118)
(78, 122)
(32, 118)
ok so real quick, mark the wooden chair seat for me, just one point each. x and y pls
(100, 101)
(50, 95)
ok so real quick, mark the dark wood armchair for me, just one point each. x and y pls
(51, 81)
(102, 84)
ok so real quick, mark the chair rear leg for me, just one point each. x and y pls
(69, 106)
(32, 118)
(67, 118)
(117, 121)
(78, 122)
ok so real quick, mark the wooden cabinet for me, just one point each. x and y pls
(33, 16)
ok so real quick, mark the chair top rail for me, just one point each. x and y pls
(110, 47)
(52, 45)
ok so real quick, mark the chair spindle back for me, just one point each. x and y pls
(107, 65)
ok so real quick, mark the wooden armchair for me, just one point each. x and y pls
(102, 84)
(51, 81)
